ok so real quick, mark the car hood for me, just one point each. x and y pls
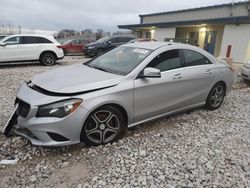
(74, 79)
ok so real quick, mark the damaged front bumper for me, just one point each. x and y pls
(44, 131)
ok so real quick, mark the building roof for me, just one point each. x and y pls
(198, 8)
(241, 17)
(227, 20)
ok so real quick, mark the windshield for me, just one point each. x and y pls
(120, 60)
(101, 40)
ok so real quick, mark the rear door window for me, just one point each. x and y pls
(193, 58)
(34, 40)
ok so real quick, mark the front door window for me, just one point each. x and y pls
(13, 41)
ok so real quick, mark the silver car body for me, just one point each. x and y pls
(141, 99)
(245, 70)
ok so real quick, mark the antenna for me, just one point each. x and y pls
(231, 8)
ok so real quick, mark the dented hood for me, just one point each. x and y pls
(75, 79)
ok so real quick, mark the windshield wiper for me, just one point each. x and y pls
(99, 68)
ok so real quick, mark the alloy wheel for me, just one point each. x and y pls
(102, 127)
(49, 59)
(217, 96)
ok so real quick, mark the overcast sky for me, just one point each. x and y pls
(81, 14)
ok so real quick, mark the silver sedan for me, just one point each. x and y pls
(97, 101)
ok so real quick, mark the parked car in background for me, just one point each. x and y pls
(104, 44)
(75, 46)
(97, 101)
(2, 36)
(142, 40)
(18, 48)
(245, 70)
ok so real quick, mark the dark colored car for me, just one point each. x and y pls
(75, 46)
(105, 44)
(142, 40)
(2, 36)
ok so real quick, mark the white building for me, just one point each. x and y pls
(223, 30)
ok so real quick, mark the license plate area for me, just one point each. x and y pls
(11, 122)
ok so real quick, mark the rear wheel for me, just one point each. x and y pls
(48, 59)
(216, 96)
(104, 125)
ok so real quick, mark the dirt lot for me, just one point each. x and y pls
(196, 149)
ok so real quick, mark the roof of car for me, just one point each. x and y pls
(152, 45)
(33, 35)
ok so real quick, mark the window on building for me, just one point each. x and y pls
(148, 34)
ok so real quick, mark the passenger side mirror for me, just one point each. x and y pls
(3, 44)
(150, 72)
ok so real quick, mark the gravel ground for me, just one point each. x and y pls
(196, 149)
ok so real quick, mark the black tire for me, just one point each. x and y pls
(247, 82)
(99, 51)
(48, 59)
(105, 125)
(216, 96)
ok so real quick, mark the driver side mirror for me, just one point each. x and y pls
(3, 44)
(109, 42)
(150, 72)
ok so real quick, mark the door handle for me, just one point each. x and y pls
(177, 76)
(208, 71)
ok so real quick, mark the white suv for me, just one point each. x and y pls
(17, 48)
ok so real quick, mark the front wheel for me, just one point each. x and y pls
(104, 125)
(48, 59)
(99, 52)
(216, 96)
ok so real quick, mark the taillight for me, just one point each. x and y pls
(59, 46)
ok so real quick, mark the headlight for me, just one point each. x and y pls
(91, 47)
(59, 109)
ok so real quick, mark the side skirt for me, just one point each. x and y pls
(168, 114)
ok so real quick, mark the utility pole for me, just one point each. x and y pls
(20, 29)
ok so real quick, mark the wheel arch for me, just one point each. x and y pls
(114, 105)
(118, 107)
(47, 51)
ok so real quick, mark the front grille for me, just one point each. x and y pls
(23, 108)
